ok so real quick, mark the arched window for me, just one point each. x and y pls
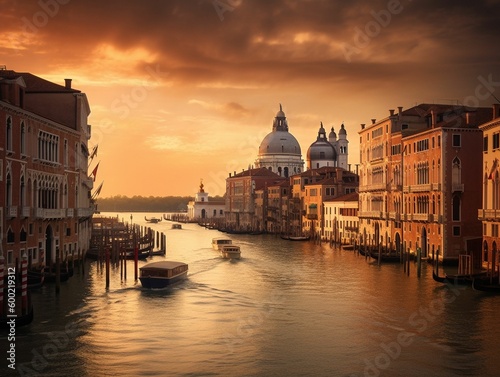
(8, 198)
(456, 172)
(8, 141)
(23, 138)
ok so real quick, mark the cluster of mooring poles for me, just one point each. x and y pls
(117, 244)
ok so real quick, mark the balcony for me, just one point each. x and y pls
(87, 212)
(70, 212)
(312, 216)
(371, 214)
(420, 217)
(488, 214)
(373, 187)
(11, 212)
(25, 212)
(420, 188)
(436, 186)
(457, 187)
(49, 213)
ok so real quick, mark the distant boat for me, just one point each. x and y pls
(176, 226)
(386, 258)
(162, 274)
(295, 238)
(230, 251)
(218, 242)
(152, 220)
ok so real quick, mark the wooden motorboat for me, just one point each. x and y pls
(162, 274)
(230, 251)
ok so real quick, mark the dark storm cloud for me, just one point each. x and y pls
(263, 41)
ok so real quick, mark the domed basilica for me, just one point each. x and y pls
(328, 152)
(280, 151)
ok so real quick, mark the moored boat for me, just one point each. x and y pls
(153, 220)
(485, 286)
(386, 258)
(230, 251)
(176, 226)
(218, 242)
(162, 274)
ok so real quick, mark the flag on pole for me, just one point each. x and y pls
(98, 191)
(493, 168)
(94, 152)
(94, 172)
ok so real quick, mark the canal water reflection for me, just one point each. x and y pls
(285, 309)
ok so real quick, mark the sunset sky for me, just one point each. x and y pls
(184, 90)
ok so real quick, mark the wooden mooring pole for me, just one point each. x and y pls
(107, 268)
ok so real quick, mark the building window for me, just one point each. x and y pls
(485, 143)
(8, 142)
(456, 208)
(48, 147)
(496, 140)
(457, 142)
(456, 230)
(23, 138)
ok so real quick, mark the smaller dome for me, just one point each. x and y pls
(342, 130)
(332, 134)
(321, 151)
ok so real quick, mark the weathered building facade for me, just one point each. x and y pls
(45, 191)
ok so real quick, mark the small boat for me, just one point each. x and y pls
(485, 286)
(386, 258)
(152, 220)
(162, 274)
(295, 238)
(459, 279)
(176, 226)
(220, 241)
(230, 251)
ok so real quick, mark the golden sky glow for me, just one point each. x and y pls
(182, 90)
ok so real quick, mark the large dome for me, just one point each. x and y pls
(279, 142)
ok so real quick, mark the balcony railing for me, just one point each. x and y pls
(26, 212)
(488, 214)
(371, 214)
(70, 212)
(436, 186)
(50, 213)
(11, 212)
(420, 188)
(87, 212)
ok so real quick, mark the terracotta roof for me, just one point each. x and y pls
(351, 197)
(258, 172)
(35, 84)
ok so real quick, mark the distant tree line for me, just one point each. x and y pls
(122, 203)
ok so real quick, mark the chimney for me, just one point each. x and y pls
(373, 121)
(400, 111)
(391, 112)
(362, 126)
(470, 118)
(67, 83)
(496, 110)
(433, 117)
